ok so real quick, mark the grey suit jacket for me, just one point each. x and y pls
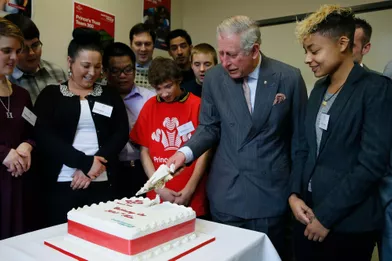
(250, 171)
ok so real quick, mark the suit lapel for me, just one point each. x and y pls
(234, 93)
(267, 87)
(340, 102)
(313, 106)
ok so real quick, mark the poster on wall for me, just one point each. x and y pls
(87, 16)
(156, 13)
(23, 7)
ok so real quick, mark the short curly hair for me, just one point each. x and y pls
(162, 70)
(330, 20)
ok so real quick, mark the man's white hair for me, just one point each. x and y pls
(243, 26)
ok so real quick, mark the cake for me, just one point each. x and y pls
(130, 229)
(133, 226)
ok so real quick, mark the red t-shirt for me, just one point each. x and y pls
(156, 129)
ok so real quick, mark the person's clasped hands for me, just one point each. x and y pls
(18, 161)
(82, 181)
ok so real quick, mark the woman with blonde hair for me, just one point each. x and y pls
(348, 139)
(15, 131)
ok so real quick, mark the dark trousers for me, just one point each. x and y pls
(275, 228)
(129, 179)
(62, 198)
(336, 246)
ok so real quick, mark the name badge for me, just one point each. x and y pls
(103, 109)
(324, 119)
(185, 129)
(29, 116)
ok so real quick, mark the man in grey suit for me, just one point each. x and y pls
(253, 109)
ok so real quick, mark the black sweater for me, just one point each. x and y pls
(57, 120)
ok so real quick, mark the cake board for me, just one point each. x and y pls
(83, 250)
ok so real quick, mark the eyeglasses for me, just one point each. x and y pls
(128, 70)
(35, 47)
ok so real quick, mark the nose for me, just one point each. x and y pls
(14, 55)
(308, 58)
(225, 61)
(202, 68)
(92, 71)
(143, 48)
(179, 51)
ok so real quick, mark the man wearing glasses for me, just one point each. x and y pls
(32, 72)
(119, 65)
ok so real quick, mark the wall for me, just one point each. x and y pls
(201, 17)
(54, 20)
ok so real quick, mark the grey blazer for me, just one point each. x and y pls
(249, 176)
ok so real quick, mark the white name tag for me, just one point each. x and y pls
(29, 116)
(185, 129)
(103, 109)
(324, 119)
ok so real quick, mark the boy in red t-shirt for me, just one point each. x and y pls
(165, 123)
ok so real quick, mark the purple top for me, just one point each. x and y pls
(134, 103)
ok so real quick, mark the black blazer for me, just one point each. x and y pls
(57, 120)
(353, 155)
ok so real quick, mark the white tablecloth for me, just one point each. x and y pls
(231, 244)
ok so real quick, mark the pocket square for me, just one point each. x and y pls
(279, 98)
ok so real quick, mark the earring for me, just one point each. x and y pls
(69, 73)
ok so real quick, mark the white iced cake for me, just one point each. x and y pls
(132, 226)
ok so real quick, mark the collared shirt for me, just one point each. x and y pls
(134, 103)
(146, 65)
(48, 73)
(141, 76)
(253, 77)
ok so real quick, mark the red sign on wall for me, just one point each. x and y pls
(86, 16)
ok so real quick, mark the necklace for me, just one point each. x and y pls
(325, 101)
(8, 108)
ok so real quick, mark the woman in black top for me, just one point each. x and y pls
(81, 128)
(348, 128)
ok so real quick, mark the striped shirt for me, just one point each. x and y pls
(34, 83)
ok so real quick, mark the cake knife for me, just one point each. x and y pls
(158, 179)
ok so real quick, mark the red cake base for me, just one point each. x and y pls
(130, 247)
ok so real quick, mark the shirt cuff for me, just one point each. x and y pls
(188, 154)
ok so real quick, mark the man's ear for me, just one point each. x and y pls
(366, 48)
(255, 50)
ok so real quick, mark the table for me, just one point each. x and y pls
(231, 244)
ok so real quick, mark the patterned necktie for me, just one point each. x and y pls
(246, 88)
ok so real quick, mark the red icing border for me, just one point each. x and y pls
(192, 249)
(130, 247)
(65, 252)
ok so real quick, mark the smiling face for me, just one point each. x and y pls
(236, 61)
(121, 74)
(324, 54)
(30, 57)
(10, 47)
(86, 68)
(143, 47)
(168, 90)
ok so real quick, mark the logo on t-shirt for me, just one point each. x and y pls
(169, 136)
